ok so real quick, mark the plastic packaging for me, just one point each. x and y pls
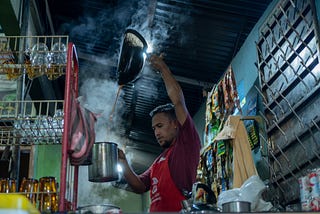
(250, 191)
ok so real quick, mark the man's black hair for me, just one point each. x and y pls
(166, 108)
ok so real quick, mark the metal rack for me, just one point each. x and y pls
(35, 122)
(33, 56)
(23, 124)
(288, 62)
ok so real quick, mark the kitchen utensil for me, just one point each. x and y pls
(132, 57)
(200, 200)
(104, 208)
(104, 162)
(202, 194)
(236, 206)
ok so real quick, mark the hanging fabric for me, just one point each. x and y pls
(243, 164)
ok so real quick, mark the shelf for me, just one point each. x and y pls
(14, 71)
(25, 123)
(33, 56)
(31, 122)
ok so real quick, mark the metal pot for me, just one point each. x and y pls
(236, 206)
(132, 59)
(100, 209)
(104, 162)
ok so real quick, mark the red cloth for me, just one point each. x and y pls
(82, 134)
(165, 196)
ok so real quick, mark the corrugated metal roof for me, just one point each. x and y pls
(199, 39)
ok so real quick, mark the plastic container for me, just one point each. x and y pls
(17, 204)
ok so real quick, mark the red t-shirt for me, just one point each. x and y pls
(184, 159)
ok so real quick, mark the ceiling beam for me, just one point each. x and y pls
(194, 81)
(152, 10)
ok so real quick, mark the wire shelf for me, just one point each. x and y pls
(31, 122)
(33, 56)
(26, 123)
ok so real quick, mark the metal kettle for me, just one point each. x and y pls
(200, 200)
(132, 57)
(104, 162)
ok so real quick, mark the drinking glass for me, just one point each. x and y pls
(58, 122)
(57, 61)
(8, 185)
(7, 61)
(48, 199)
(39, 58)
(13, 72)
(30, 187)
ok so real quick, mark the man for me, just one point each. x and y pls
(174, 171)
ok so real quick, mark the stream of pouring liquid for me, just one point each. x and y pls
(114, 105)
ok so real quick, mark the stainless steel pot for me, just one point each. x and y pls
(104, 162)
(99, 209)
(236, 206)
(132, 59)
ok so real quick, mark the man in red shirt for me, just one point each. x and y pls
(174, 170)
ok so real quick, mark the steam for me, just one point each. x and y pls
(97, 79)
(98, 193)
(141, 23)
(99, 96)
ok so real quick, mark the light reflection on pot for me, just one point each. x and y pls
(104, 167)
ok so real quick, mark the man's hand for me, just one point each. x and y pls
(157, 62)
(121, 156)
(173, 88)
(131, 177)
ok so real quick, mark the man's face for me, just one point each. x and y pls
(165, 129)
